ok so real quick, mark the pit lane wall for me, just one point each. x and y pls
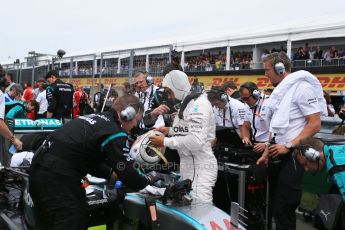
(329, 81)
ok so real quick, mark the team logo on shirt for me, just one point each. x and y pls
(88, 119)
(196, 108)
(181, 129)
(312, 100)
(126, 150)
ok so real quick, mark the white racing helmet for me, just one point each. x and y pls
(144, 153)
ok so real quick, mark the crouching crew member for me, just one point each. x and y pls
(95, 144)
(19, 109)
(5, 133)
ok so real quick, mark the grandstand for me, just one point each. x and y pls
(318, 46)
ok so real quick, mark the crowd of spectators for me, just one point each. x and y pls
(207, 61)
(273, 50)
(82, 70)
(313, 56)
(204, 62)
(214, 62)
(316, 53)
(156, 65)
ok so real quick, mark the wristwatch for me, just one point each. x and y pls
(288, 145)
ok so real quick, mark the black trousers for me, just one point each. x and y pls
(5, 157)
(58, 202)
(285, 181)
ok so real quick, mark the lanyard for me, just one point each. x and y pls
(224, 117)
(141, 124)
(254, 115)
(230, 113)
(256, 112)
(143, 96)
(260, 106)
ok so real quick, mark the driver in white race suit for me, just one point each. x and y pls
(191, 135)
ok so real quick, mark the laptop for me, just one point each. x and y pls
(228, 136)
(230, 147)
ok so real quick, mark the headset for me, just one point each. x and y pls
(256, 94)
(148, 78)
(279, 68)
(224, 97)
(128, 113)
(312, 154)
(309, 152)
(221, 95)
(252, 88)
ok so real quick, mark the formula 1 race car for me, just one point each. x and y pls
(172, 208)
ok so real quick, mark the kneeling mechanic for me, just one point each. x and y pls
(95, 144)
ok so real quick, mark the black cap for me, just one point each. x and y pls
(52, 72)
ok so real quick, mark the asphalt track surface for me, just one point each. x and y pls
(301, 224)
(304, 225)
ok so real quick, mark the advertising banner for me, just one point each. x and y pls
(328, 81)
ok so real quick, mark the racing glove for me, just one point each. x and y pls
(152, 177)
